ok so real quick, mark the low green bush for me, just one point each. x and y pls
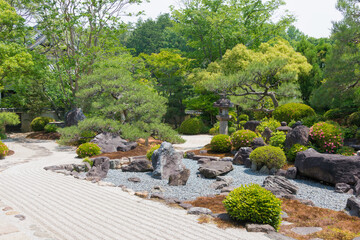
(292, 111)
(4, 150)
(243, 117)
(7, 118)
(311, 120)
(231, 130)
(354, 119)
(277, 139)
(49, 128)
(291, 153)
(255, 204)
(326, 136)
(346, 151)
(337, 113)
(270, 123)
(221, 143)
(39, 123)
(242, 138)
(349, 132)
(88, 150)
(272, 157)
(191, 126)
(150, 152)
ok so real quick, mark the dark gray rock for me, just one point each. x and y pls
(353, 205)
(134, 179)
(251, 125)
(252, 227)
(99, 169)
(199, 211)
(280, 186)
(291, 173)
(306, 230)
(197, 157)
(190, 155)
(227, 159)
(330, 168)
(112, 142)
(215, 168)
(357, 188)
(203, 160)
(219, 185)
(264, 170)
(253, 166)
(229, 180)
(298, 135)
(298, 123)
(281, 172)
(166, 161)
(242, 156)
(140, 165)
(227, 189)
(267, 134)
(186, 205)
(157, 195)
(342, 187)
(284, 127)
(73, 117)
(258, 142)
(179, 178)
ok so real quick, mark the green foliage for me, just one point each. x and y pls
(346, 151)
(292, 111)
(354, 119)
(255, 204)
(191, 126)
(49, 128)
(214, 131)
(270, 123)
(8, 118)
(311, 120)
(272, 157)
(221, 143)
(327, 137)
(231, 130)
(243, 117)
(291, 153)
(150, 152)
(88, 150)
(242, 138)
(336, 113)
(88, 160)
(277, 139)
(4, 150)
(39, 123)
(349, 132)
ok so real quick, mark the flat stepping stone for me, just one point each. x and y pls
(278, 236)
(12, 213)
(199, 211)
(286, 223)
(306, 230)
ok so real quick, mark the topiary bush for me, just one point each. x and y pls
(191, 126)
(272, 157)
(354, 119)
(88, 150)
(242, 138)
(270, 123)
(277, 139)
(4, 150)
(39, 123)
(221, 143)
(150, 152)
(291, 153)
(292, 111)
(50, 128)
(327, 137)
(253, 203)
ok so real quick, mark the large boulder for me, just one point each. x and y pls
(353, 205)
(242, 157)
(166, 161)
(251, 125)
(258, 142)
(215, 168)
(99, 169)
(74, 116)
(330, 168)
(112, 142)
(179, 178)
(138, 165)
(299, 135)
(280, 186)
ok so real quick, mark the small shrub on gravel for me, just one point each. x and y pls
(270, 123)
(272, 157)
(291, 153)
(253, 203)
(39, 123)
(327, 137)
(191, 126)
(292, 111)
(242, 138)
(50, 128)
(278, 138)
(221, 143)
(354, 119)
(151, 151)
(88, 150)
(4, 150)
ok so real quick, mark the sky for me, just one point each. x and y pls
(314, 17)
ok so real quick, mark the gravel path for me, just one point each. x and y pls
(68, 208)
(323, 196)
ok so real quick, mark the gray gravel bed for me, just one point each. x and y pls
(322, 195)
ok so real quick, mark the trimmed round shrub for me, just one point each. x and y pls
(272, 157)
(4, 150)
(291, 153)
(327, 137)
(336, 113)
(242, 138)
(221, 143)
(50, 128)
(88, 150)
(346, 151)
(255, 204)
(292, 111)
(191, 126)
(39, 123)
(277, 139)
(150, 152)
(354, 119)
(270, 123)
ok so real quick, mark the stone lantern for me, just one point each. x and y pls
(223, 104)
